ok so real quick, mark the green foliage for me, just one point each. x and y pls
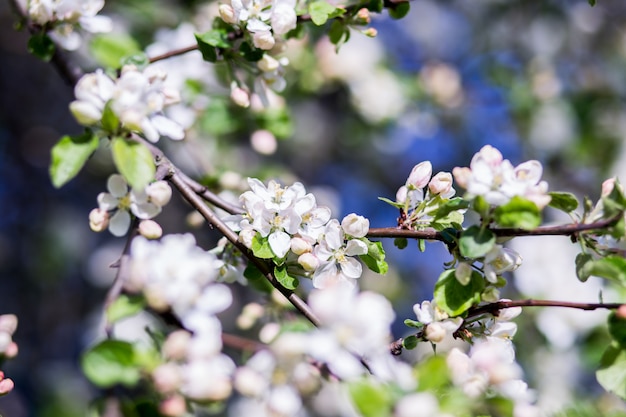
(110, 363)
(110, 121)
(566, 202)
(476, 242)
(400, 242)
(375, 257)
(41, 46)
(617, 329)
(261, 247)
(209, 41)
(338, 33)
(612, 267)
(612, 371)
(583, 266)
(217, 119)
(110, 50)
(453, 297)
(250, 53)
(134, 161)
(518, 213)
(410, 342)
(286, 280)
(69, 156)
(399, 10)
(371, 399)
(450, 206)
(413, 323)
(256, 279)
(124, 306)
(320, 11)
(433, 374)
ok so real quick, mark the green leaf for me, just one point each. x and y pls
(209, 41)
(391, 202)
(480, 206)
(110, 121)
(476, 242)
(261, 247)
(615, 202)
(111, 362)
(250, 53)
(320, 11)
(124, 306)
(399, 10)
(592, 2)
(611, 267)
(375, 258)
(338, 33)
(401, 242)
(433, 373)
(518, 213)
(583, 262)
(134, 161)
(375, 6)
(612, 372)
(41, 46)
(413, 323)
(109, 50)
(566, 202)
(454, 298)
(257, 279)
(370, 399)
(140, 60)
(217, 119)
(617, 329)
(450, 206)
(287, 281)
(410, 342)
(69, 155)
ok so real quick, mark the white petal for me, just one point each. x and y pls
(167, 127)
(119, 223)
(356, 247)
(351, 268)
(117, 185)
(145, 210)
(280, 242)
(107, 201)
(96, 24)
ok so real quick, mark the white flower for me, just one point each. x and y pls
(92, 93)
(420, 175)
(436, 320)
(499, 260)
(284, 16)
(339, 266)
(441, 184)
(122, 201)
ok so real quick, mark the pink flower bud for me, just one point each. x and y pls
(150, 229)
(370, 32)
(268, 64)
(420, 175)
(175, 346)
(462, 176)
(401, 194)
(490, 155)
(6, 386)
(11, 351)
(363, 15)
(167, 378)
(8, 323)
(435, 332)
(159, 193)
(98, 220)
(264, 142)
(440, 183)
(608, 185)
(173, 406)
(239, 96)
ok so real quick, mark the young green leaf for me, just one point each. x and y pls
(612, 267)
(518, 213)
(69, 155)
(134, 161)
(216, 37)
(410, 342)
(584, 263)
(256, 279)
(287, 281)
(261, 247)
(319, 11)
(401, 242)
(109, 50)
(41, 46)
(617, 329)
(566, 202)
(124, 306)
(453, 297)
(450, 206)
(370, 399)
(476, 242)
(111, 362)
(110, 121)
(612, 372)
(399, 10)
(375, 257)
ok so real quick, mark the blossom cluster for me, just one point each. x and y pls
(264, 19)
(115, 207)
(8, 348)
(175, 275)
(65, 16)
(300, 234)
(498, 181)
(136, 100)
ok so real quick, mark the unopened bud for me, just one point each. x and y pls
(462, 175)
(150, 229)
(370, 32)
(440, 183)
(420, 175)
(167, 378)
(250, 314)
(264, 142)
(85, 113)
(173, 406)
(175, 346)
(300, 246)
(98, 220)
(308, 261)
(227, 13)
(355, 225)
(621, 312)
(363, 15)
(435, 332)
(248, 382)
(159, 192)
(264, 40)
(607, 186)
(6, 386)
(268, 63)
(11, 351)
(239, 96)
(491, 295)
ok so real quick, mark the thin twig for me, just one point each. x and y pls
(432, 234)
(173, 53)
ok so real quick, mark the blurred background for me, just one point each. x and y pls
(539, 80)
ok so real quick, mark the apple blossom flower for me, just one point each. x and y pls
(355, 225)
(121, 202)
(436, 320)
(66, 16)
(497, 180)
(420, 175)
(499, 260)
(338, 263)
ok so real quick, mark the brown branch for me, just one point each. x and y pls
(432, 234)
(173, 53)
(241, 343)
(396, 346)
